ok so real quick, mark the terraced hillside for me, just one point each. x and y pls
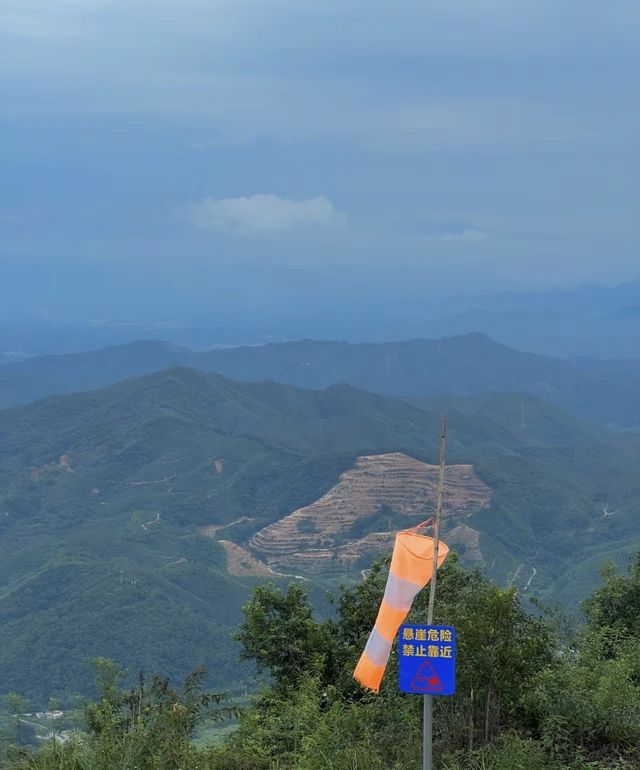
(360, 514)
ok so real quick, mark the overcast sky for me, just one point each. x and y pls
(254, 151)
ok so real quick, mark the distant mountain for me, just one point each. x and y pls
(555, 332)
(605, 391)
(589, 320)
(585, 299)
(38, 337)
(73, 372)
(130, 517)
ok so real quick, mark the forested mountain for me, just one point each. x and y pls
(605, 391)
(130, 516)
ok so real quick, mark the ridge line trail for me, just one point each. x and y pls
(533, 574)
(212, 529)
(516, 572)
(147, 524)
(143, 483)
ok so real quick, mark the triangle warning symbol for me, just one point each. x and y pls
(426, 679)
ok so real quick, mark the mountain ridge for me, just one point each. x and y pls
(467, 365)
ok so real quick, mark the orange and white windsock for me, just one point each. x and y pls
(411, 569)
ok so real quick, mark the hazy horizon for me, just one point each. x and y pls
(181, 163)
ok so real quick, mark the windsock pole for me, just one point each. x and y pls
(427, 712)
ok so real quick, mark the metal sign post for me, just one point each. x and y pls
(427, 711)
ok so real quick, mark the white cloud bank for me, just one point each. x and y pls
(258, 214)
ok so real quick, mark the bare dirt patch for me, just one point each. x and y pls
(63, 465)
(242, 564)
(211, 530)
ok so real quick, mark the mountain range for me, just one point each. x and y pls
(600, 390)
(585, 320)
(134, 519)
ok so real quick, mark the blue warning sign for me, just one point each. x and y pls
(427, 659)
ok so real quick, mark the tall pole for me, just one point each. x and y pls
(427, 706)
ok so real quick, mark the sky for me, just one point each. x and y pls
(164, 159)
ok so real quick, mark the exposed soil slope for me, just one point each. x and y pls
(381, 493)
(242, 564)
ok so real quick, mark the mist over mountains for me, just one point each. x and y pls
(589, 320)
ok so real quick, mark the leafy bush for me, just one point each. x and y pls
(513, 753)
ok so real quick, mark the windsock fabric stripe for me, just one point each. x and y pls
(410, 571)
(378, 648)
(389, 620)
(399, 594)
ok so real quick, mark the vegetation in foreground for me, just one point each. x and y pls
(529, 696)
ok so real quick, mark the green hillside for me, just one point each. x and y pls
(605, 391)
(102, 495)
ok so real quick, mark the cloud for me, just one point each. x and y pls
(266, 214)
(456, 229)
(476, 110)
(468, 234)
